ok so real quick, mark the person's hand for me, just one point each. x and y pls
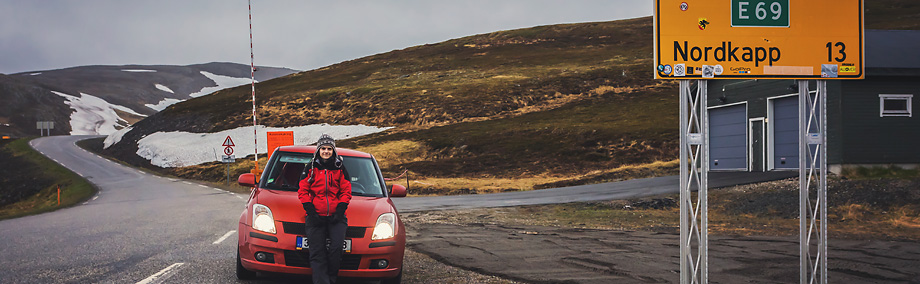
(340, 213)
(311, 212)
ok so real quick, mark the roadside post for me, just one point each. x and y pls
(44, 125)
(756, 39)
(228, 155)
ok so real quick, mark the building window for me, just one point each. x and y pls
(895, 105)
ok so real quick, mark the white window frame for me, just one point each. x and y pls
(885, 97)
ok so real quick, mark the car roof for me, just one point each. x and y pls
(311, 149)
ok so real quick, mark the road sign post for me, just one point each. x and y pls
(228, 155)
(757, 39)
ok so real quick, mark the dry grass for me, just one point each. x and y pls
(422, 186)
(397, 152)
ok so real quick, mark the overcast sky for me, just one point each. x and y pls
(300, 34)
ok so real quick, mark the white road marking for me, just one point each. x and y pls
(224, 237)
(162, 275)
(188, 183)
(94, 198)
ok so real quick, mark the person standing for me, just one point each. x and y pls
(325, 192)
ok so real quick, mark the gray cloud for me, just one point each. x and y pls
(52, 34)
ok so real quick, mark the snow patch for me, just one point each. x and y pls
(93, 115)
(163, 104)
(138, 70)
(180, 149)
(115, 137)
(36, 73)
(222, 82)
(164, 88)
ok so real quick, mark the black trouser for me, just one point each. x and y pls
(325, 261)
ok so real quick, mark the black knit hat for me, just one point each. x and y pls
(325, 140)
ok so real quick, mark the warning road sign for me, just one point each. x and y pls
(228, 142)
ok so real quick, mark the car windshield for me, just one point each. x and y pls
(285, 169)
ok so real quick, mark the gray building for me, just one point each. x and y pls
(870, 122)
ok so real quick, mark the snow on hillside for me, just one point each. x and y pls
(115, 137)
(93, 115)
(164, 88)
(179, 149)
(163, 104)
(222, 82)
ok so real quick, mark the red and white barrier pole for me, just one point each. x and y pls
(252, 72)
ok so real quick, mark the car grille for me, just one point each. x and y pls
(294, 228)
(302, 259)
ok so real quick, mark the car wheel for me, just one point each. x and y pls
(241, 272)
(394, 280)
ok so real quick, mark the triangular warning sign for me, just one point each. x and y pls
(228, 142)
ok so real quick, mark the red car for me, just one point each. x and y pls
(271, 230)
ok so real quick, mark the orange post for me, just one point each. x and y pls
(59, 195)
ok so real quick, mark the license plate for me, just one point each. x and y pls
(303, 244)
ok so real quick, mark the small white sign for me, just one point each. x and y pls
(695, 139)
(228, 158)
(814, 138)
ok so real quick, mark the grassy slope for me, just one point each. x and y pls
(511, 110)
(31, 180)
(560, 102)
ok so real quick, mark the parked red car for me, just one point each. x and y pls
(271, 229)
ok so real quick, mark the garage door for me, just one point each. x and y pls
(728, 138)
(785, 122)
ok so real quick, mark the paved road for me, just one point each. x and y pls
(141, 227)
(605, 191)
(136, 226)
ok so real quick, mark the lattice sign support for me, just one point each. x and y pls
(812, 183)
(694, 172)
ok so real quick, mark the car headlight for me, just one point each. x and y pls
(262, 219)
(385, 228)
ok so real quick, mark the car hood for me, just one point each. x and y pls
(362, 211)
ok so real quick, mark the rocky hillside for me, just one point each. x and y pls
(566, 104)
(110, 97)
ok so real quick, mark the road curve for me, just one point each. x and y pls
(137, 226)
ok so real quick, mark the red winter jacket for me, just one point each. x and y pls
(329, 188)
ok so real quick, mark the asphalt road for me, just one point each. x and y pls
(604, 191)
(137, 226)
(142, 228)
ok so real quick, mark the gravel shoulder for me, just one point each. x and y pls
(873, 238)
(543, 254)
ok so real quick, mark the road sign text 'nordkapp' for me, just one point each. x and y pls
(759, 39)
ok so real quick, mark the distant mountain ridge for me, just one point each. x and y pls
(99, 99)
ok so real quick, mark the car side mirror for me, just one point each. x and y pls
(398, 191)
(247, 179)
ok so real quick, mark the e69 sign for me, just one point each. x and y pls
(759, 39)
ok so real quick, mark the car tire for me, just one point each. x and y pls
(394, 280)
(241, 272)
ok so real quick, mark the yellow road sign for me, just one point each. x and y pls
(759, 39)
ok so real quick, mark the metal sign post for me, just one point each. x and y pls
(812, 175)
(757, 39)
(694, 175)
